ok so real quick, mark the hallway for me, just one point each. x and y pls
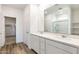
(10, 40)
(10, 30)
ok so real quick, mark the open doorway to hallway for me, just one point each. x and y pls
(10, 30)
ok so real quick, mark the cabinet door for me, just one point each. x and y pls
(35, 43)
(42, 45)
(54, 50)
(61, 46)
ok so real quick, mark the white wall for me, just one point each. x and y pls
(37, 18)
(34, 18)
(75, 21)
(18, 14)
(41, 19)
(2, 34)
(75, 14)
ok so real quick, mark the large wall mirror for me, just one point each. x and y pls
(62, 18)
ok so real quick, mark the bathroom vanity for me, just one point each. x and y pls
(51, 43)
(61, 29)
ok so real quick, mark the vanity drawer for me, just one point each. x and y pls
(64, 47)
(50, 49)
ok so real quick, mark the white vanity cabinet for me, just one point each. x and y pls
(35, 43)
(53, 47)
(42, 45)
(38, 44)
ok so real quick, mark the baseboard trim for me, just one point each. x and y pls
(34, 51)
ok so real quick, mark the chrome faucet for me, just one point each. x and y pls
(64, 36)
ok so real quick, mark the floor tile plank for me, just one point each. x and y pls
(19, 48)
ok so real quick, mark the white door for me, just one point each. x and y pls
(26, 24)
(26, 32)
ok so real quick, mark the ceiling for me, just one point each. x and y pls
(19, 6)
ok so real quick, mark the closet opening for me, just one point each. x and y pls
(10, 30)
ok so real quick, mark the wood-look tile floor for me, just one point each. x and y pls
(19, 48)
(10, 40)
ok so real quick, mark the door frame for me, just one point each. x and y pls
(4, 27)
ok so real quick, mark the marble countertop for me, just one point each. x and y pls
(69, 39)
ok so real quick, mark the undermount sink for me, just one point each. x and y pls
(64, 37)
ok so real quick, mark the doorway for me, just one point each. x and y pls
(10, 30)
